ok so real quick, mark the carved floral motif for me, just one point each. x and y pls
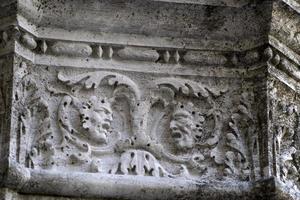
(137, 162)
(241, 140)
(285, 126)
(104, 123)
(36, 134)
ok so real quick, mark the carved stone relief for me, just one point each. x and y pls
(242, 140)
(118, 100)
(284, 118)
(35, 133)
(103, 122)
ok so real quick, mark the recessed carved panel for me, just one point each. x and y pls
(135, 124)
(123, 99)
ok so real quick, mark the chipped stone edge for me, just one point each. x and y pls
(294, 4)
(283, 63)
(288, 52)
(29, 181)
(90, 185)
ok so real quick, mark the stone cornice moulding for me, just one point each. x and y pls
(47, 51)
(164, 45)
(184, 32)
(164, 55)
(135, 66)
(288, 52)
(41, 32)
(283, 63)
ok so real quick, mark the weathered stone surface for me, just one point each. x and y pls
(208, 58)
(138, 54)
(160, 99)
(71, 49)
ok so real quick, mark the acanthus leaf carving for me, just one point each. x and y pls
(143, 163)
(236, 159)
(284, 144)
(89, 140)
(241, 141)
(36, 134)
(285, 126)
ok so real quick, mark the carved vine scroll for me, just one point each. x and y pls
(104, 122)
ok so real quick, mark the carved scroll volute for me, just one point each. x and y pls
(131, 161)
(122, 87)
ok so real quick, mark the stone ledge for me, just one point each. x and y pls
(93, 185)
(139, 40)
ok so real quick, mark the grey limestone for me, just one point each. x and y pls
(152, 99)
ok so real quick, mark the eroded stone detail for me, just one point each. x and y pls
(103, 122)
(137, 162)
(186, 126)
(5, 107)
(242, 141)
(71, 49)
(138, 54)
(207, 58)
(169, 103)
(285, 127)
(87, 134)
(281, 62)
(29, 41)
